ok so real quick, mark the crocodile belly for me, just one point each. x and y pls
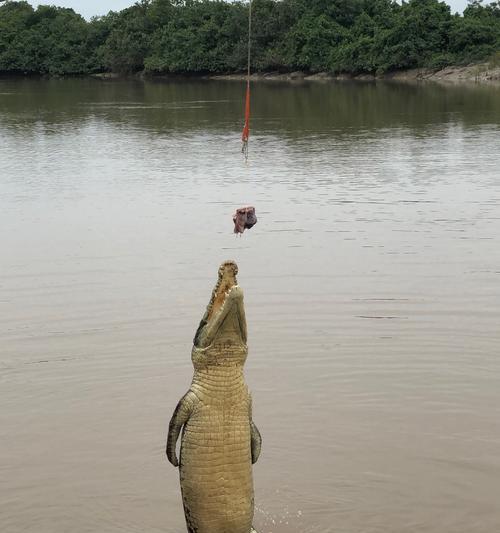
(216, 471)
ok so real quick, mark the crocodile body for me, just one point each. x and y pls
(219, 441)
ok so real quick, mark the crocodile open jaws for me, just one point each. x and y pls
(219, 441)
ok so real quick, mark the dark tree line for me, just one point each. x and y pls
(210, 36)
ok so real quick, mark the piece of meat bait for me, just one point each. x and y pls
(244, 218)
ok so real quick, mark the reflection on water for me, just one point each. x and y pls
(372, 290)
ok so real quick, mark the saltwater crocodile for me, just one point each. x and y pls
(219, 441)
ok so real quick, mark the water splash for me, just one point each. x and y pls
(287, 520)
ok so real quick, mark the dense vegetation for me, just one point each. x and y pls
(209, 36)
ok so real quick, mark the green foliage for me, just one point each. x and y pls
(200, 37)
(128, 38)
(418, 33)
(310, 42)
(473, 38)
(49, 40)
(210, 36)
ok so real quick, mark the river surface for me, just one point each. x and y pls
(372, 290)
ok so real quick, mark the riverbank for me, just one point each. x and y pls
(483, 73)
(475, 73)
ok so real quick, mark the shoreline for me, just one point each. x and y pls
(478, 74)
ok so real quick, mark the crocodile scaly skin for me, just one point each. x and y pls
(219, 439)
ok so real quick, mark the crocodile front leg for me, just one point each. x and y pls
(255, 436)
(181, 415)
(256, 442)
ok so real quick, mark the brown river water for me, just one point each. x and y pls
(372, 289)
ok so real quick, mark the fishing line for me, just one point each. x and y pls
(246, 129)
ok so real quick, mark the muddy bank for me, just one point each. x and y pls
(478, 73)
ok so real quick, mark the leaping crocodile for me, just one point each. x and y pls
(219, 441)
